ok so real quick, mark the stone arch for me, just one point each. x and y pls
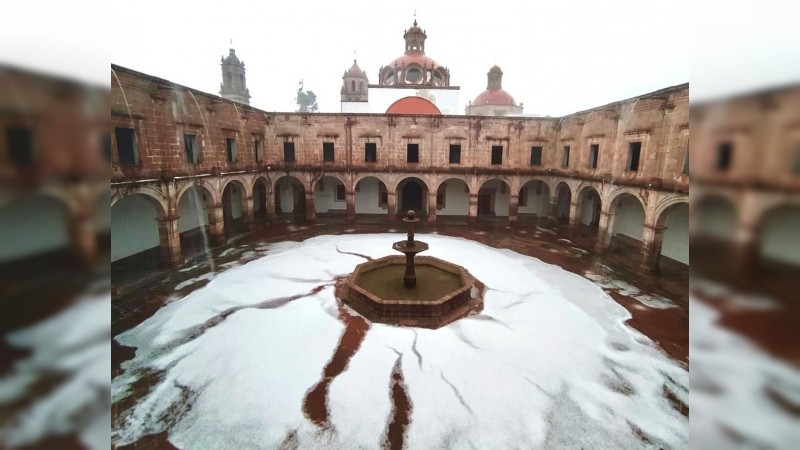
(370, 195)
(151, 192)
(234, 207)
(289, 195)
(243, 183)
(563, 200)
(778, 246)
(328, 196)
(547, 181)
(452, 197)
(534, 197)
(714, 217)
(33, 224)
(412, 193)
(329, 175)
(216, 194)
(615, 194)
(590, 205)
(195, 213)
(136, 232)
(494, 197)
(377, 176)
(672, 215)
(628, 213)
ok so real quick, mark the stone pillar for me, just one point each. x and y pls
(473, 207)
(82, 235)
(247, 212)
(574, 216)
(391, 209)
(271, 214)
(604, 231)
(553, 217)
(431, 207)
(513, 207)
(311, 209)
(350, 207)
(652, 238)
(169, 242)
(216, 225)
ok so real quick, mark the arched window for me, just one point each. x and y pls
(352, 85)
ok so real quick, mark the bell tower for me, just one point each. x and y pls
(355, 85)
(234, 84)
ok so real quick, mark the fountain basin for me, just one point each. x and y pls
(445, 292)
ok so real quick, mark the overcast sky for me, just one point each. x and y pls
(558, 57)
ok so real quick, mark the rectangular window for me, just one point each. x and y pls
(455, 154)
(523, 196)
(686, 160)
(230, 149)
(327, 151)
(536, 156)
(126, 146)
(634, 153)
(340, 192)
(190, 147)
(724, 156)
(594, 153)
(370, 152)
(257, 149)
(565, 157)
(288, 152)
(497, 154)
(107, 147)
(412, 153)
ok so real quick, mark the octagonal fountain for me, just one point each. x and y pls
(422, 292)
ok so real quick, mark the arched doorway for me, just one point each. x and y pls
(33, 228)
(371, 196)
(563, 200)
(493, 199)
(675, 242)
(233, 208)
(590, 206)
(412, 194)
(452, 198)
(193, 220)
(330, 196)
(713, 224)
(534, 199)
(779, 248)
(260, 192)
(290, 197)
(628, 213)
(135, 238)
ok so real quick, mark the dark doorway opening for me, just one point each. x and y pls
(484, 203)
(412, 198)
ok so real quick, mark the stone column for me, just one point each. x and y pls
(513, 207)
(652, 238)
(473, 207)
(82, 235)
(169, 241)
(391, 209)
(350, 207)
(271, 214)
(604, 231)
(574, 216)
(216, 225)
(311, 209)
(248, 212)
(431, 207)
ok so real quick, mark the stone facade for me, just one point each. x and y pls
(161, 113)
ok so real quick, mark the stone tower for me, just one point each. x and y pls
(355, 85)
(234, 84)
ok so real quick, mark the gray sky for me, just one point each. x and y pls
(558, 57)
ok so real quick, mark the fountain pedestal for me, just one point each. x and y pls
(410, 248)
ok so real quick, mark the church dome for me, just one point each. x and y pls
(413, 105)
(493, 97)
(231, 58)
(414, 67)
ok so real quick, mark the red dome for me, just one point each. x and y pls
(493, 97)
(413, 105)
(414, 58)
